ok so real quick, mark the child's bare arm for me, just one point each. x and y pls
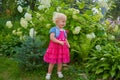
(52, 37)
(67, 43)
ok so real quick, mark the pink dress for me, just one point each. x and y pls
(57, 53)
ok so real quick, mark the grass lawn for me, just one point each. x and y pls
(9, 70)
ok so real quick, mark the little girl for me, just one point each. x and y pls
(58, 49)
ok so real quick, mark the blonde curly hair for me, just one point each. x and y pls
(57, 15)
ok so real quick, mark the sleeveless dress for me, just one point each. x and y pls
(57, 53)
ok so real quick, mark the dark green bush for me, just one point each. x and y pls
(29, 54)
(7, 43)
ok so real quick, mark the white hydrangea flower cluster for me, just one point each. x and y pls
(28, 16)
(98, 47)
(95, 10)
(44, 4)
(24, 21)
(20, 9)
(77, 30)
(32, 33)
(91, 35)
(9, 24)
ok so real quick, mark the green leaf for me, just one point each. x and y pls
(98, 71)
(94, 58)
(105, 76)
(74, 50)
(89, 12)
(112, 73)
(114, 67)
(81, 5)
(118, 67)
(107, 68)
(4, 46)
(104, 65)
(107, 55)
(75, 37)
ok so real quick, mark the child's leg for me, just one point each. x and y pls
(50, 68)
(59, 69)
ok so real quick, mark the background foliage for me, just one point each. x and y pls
(94, 39)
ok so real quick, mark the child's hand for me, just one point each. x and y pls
(68, 45)
(61, 42)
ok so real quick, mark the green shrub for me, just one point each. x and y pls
(7, 43)
(105, 64)
(29, 54)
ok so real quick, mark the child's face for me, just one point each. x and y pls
(61, 22)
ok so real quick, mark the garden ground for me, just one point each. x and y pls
(9, 70)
